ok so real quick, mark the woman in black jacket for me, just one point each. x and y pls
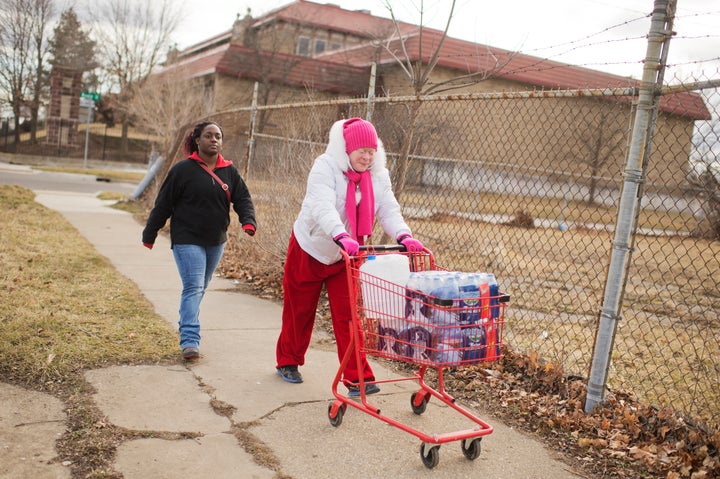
(196, 196)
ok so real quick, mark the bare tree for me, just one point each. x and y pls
(22, 55)
(41, 12)
(705, 177)
(418, 73)
(162, 107)
(599, 136)
(131, 36)
(272, 66)
(704, 173)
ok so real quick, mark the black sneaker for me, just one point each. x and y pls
(354, 391)
(290, 374)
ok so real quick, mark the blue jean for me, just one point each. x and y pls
(196, 265)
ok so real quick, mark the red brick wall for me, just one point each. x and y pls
(64, 108)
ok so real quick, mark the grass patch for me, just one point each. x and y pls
(134, 207)
(81, 314)
(65, 309)
(539, 207)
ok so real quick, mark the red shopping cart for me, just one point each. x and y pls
(399, 323)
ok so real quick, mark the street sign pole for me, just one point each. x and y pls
(87, 136)
(90, 98)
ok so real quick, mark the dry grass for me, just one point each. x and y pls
(81, 313)
(65, 309)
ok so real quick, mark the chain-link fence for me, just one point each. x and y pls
(526, 185)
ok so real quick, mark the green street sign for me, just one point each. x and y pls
(86, 95)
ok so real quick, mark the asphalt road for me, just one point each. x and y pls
(36, 180)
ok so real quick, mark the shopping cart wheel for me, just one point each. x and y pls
(336, 420)
(418, 402)
(471, 448)
(430, 454)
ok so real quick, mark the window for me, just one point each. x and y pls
(320, 46)
(303, 46)
(335, 46)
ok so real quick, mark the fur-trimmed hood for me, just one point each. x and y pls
(336, 149)
(322, 214)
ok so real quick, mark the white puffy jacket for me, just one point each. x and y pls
(322, 215)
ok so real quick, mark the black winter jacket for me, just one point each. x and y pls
(197, 205)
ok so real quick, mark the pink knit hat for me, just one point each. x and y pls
(358, 134)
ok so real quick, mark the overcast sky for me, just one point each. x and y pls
(606, 35)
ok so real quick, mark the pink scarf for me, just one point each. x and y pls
(361, 216)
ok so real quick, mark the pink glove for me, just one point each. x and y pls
(411, 244)
(249, 229)
(148, 245)
(350, 246)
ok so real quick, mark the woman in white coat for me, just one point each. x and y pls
(347, 188)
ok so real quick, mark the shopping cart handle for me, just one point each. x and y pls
(382, 247)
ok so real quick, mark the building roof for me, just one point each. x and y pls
(475, 58)
(331, 17)
(190, 66)
(293, 70)
(346, 71)
(247, 63)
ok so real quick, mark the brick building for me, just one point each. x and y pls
(306, 46)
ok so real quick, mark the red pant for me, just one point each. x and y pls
(302, 285)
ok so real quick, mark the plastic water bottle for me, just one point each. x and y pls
(447, 335)
(494, 296)
(448, 355)
(387, 340)
(469, 298)
(416, 298)
(492, 330)
(474, 343)
(414, 343)
(444, 291)
(423, 284)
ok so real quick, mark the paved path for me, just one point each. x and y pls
(285, 421)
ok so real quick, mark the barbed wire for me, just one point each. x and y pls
(543, 66)
(696, 14)
(696, 37)
(576, 45)
(694, 62)
(600, 32)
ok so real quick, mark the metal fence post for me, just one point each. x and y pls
(648, 95)
(251, 133)
(371, 93)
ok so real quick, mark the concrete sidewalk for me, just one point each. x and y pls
(237, 368)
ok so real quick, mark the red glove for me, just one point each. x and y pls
(249, 229)
(148, 245)
(411, 244)
(350, 246)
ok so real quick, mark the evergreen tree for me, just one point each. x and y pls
(70, 46)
